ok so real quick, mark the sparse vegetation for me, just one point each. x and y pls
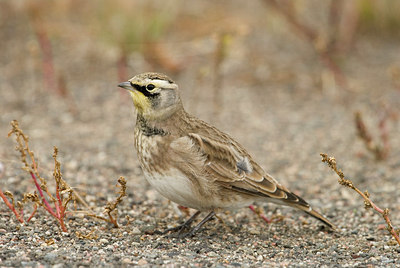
(331, 162)
(378, 147)
(63, 192)
(55, 203)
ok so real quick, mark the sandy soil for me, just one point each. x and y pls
(276, 99)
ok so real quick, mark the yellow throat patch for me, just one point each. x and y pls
(141, 102)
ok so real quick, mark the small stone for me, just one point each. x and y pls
(135, 231)
(212, 254)
(148, 229)
(103, 241)
(142, 262)
(254, 232)
(2, 168)
(260, 258)
(126, 261)
(51, 256)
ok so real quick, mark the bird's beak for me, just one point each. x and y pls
(126, 85)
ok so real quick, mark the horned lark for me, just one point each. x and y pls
(193, 163)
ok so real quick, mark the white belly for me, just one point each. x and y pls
(177, 188)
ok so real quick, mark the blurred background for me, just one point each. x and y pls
(271, 73)
(55, 47)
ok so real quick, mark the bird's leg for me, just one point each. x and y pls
(198, 226)
(185, 225)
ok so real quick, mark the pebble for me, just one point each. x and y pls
(51, 256)
(212, 254)
(142, 262)
(135, 231)
(2, 169)
(103, 241)
(254, 231)
(126, 261)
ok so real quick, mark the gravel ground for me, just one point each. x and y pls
(285, 119)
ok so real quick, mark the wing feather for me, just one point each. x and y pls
(223, 156)
(220, 159)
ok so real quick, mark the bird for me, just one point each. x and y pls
(194, 164)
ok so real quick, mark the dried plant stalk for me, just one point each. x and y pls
(380, 152)
(56, 205)
(310, 34)
(111, 209)
(31, 166)
(331, 162)
(259, 213)
(11, 205)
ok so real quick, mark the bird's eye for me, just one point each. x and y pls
(150, 87)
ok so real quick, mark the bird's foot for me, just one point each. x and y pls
(187, 225)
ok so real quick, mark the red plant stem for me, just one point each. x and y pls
(337, 73)
(11, 207)
(62, 224)
(33, 213)
(60, 210)
(58, 205)
(311, 35)
(382, 212)
(46, 204)
(122, 66)
(122, 70)
(49, 73)
(251, 207)
(384, 133)
(21, 212)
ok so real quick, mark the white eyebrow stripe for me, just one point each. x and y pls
(160, 83)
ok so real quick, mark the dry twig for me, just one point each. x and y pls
(380, 150)
(55, 205)
(331, 162)
(221, 52)
(31, 166)
(111, 208)
(311, 35)
(260, 213)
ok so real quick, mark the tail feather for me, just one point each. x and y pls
(300, 203)
(318, 216)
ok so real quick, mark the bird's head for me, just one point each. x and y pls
(154, 95)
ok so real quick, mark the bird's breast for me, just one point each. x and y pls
(199, 192)
(151, 151)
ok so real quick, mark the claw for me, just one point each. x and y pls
(187, 224)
